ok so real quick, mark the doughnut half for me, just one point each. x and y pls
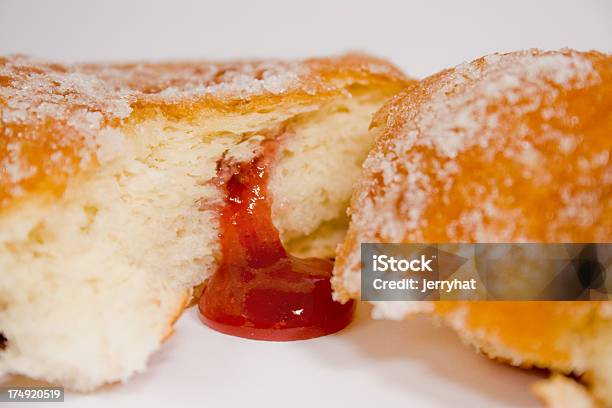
(107, 213)
(508, 148)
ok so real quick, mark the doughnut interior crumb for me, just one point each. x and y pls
(106, 202)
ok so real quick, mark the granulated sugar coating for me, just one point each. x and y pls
(56, 120)
(112, 214)
(508, 148)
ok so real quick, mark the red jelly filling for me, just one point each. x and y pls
(259, 291)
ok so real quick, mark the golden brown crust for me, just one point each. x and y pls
(508, 148)
(527, 334)
(179, 311)
(54, 117)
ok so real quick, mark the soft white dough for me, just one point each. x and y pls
(90, 282)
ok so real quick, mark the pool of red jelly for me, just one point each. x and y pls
(259, 290)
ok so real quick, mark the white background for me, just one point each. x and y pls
(421, 37)
(371, 363)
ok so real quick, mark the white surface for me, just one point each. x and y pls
(371, 363)
(421, 37)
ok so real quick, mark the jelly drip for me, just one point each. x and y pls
(260, 291)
